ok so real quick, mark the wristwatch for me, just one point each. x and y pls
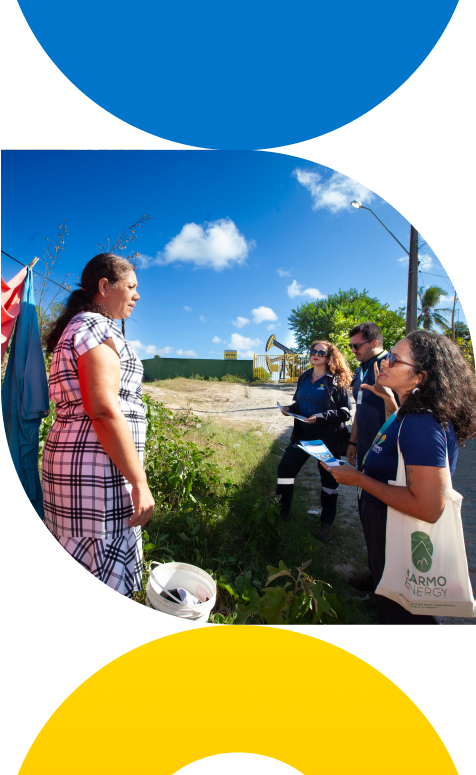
(352, 442)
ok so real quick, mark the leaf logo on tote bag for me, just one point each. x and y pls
(422, 551)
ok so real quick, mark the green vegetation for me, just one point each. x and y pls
(332, 318)
(216, 508)
(261, 375)
(429, 316)
(169, 382)
(300, 601)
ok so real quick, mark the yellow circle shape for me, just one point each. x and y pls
(218, 690)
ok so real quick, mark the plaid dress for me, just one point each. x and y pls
(87, 501)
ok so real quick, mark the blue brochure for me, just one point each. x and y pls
(319, 450)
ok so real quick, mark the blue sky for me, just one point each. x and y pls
(235, 240)
(258, 98)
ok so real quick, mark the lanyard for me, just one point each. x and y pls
(363, 373)
(376, 439)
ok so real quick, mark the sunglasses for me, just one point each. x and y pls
(359, 345)
(321, 353)
(392, 360)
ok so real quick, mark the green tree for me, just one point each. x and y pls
(429, 316)
(466, 347)
(461, 332)
(333, 317)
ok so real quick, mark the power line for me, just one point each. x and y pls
(65, 288)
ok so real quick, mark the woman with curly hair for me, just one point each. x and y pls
(437, 392)
(322, 396)
(96, 496)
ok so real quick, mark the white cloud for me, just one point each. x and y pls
(150, 349)
(296, 289)
(335, 193)
(244, 344)
(202, 318)
(240, 322)
(426, 262)
(283, 273)
(261, 314)
(187, 353)
(272, 326)
(216, 340)
(187, 309)
(216, 245)
(289, 340)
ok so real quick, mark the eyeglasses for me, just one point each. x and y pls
(321, 353)
(392, 360)
(359, 345)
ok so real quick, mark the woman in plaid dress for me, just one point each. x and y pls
(96, 497)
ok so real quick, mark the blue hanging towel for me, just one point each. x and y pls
(25, 396)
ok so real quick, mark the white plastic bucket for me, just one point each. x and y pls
(175, 575)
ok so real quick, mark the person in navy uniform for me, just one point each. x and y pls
(437, 395)
(366, 342)
(322, 397)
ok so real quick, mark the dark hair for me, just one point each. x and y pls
(106, 265)
(370, 330)
(448, 388)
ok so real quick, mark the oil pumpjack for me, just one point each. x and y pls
(277, 362)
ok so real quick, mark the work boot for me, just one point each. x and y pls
(325, 533)
(364, 583)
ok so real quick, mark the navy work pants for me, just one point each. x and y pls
(374, 522)
(289, 467)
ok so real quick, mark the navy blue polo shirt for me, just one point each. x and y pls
(423, 442)
(311, 397)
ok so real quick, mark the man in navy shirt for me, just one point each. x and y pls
(366, 342)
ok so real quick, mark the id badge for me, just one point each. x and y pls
(359, 397)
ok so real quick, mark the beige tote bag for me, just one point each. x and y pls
(426, 570)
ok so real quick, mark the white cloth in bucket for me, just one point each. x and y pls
(185, 596)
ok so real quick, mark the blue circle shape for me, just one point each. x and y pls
(242, 75)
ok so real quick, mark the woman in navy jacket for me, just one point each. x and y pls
(322, 396)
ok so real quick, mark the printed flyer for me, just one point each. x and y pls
(319, 450)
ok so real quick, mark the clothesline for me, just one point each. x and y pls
(47, 278)
(65, 288)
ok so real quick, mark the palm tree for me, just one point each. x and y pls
(429, 316)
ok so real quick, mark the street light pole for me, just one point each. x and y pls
(412, 293)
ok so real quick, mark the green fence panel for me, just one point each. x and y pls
(167, 368)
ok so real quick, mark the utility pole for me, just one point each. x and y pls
(453, 317)
(412, 294)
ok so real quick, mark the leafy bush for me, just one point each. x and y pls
(263, 519)
(261, 375)
(198, 377)
(44, 429)
(240, 378)
(302, 600)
